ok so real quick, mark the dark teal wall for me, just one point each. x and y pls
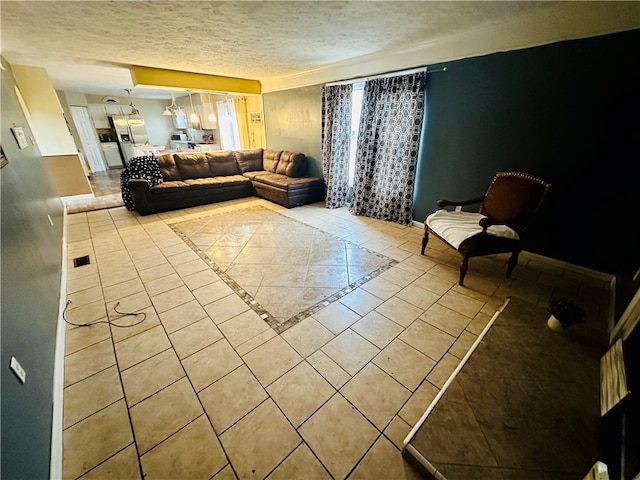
(31, 269)
(567, 112)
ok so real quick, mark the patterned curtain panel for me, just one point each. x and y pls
(336, 135)
(390, 128)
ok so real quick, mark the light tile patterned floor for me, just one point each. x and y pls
(204, 388)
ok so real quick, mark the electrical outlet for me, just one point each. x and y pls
(18, 370)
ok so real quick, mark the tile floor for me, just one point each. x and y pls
(106, 191)
(519, 412)
(105, 183)
(205, 388)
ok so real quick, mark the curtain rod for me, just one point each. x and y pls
(385, 75)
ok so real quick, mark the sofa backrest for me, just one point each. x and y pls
(270, 159)
(168, 168)
(222, 163)
(292, 164)
(249, 160)
(192, 165)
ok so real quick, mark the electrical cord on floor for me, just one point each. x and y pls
(115, 309)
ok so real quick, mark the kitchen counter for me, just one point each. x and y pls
(147, 149)
(197, 147)
(176, 147)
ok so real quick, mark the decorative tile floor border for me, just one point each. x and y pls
(277, 326)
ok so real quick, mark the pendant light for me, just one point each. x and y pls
(173, 109)
(194, 120)
(168, 110)
(212, 116)
(134, 110)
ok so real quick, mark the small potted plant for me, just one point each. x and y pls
(564, 314)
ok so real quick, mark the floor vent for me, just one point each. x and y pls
(80, 261)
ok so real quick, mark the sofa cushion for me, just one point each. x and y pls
(222, 163)
(170, 186)
(168, 167)
(233, 180)
(216, 182)
(256, 173)
(192, 165)
(289, 183)
(270, 159)
(202, 183)
(249, 160)
(292, 164)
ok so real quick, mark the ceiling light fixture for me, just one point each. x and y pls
(193, 117)
(171, 109)
(212, 116)
(134, 110)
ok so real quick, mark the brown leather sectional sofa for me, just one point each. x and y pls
(198, 178)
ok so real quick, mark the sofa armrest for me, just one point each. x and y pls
(141, 195)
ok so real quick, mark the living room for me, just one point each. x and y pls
(564, 111)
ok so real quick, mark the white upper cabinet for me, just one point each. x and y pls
(100, 112)
(180, 121)
(98, 115)
(208, 115)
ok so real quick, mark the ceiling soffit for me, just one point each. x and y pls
(156, 77)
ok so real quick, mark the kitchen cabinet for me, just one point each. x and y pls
(180, 121)
(100, 112)
(98, 116)
(207, 109)
(112, 154)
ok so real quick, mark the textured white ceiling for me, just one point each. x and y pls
(86, 46)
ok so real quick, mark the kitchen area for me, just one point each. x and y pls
(187, 122)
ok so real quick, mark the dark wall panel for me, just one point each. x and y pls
(567, 112)
(293, 121)
(31, 270)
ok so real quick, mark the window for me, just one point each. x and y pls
(228, 125)
(356, 109)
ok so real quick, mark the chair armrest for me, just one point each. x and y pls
(487, 222)
(450, 203)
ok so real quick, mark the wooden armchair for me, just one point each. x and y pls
(506, 209)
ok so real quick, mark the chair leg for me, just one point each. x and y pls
(513, 261)
(425, 239)
(464, 266)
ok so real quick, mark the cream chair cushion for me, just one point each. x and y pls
(456, 227)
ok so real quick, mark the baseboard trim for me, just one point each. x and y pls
(596, 274)
(84, 196)
(55, 462)
(589, 272)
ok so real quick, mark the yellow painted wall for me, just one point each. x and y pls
(47, 119)
(193, 81)
(51, 132)
(256, 130)
(67, 175)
